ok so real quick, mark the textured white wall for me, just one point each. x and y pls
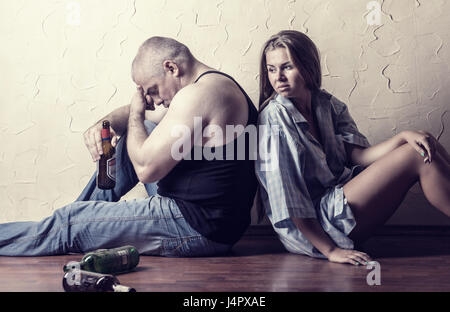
(65, 64)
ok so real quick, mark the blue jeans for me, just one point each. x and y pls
(97, 219)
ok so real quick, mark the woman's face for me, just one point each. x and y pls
(284, 76)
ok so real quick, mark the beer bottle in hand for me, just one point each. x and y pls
(106, 173)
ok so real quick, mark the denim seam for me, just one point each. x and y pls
(115, 219)
(64, 225)
(29, 237)
(185, 239)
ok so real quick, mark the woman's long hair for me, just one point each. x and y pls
(304, 54)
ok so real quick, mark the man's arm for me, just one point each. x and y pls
(155, 155)
(118, 120)
(155, 115)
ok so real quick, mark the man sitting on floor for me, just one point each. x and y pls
(200, 206)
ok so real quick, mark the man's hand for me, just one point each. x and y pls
(93, 140)
(354, 257)
(141, 102)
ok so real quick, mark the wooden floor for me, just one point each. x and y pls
(260, 264)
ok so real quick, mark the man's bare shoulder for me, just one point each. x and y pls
(207, 93)
(216, 99)
(189, 97)
(217, 85)
(189, 102)
(210, 85)
(218, 102)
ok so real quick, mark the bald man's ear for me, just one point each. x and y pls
(172, 68)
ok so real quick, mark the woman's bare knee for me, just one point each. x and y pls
(439, 162)
(410, 158)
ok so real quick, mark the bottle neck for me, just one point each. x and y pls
(121, 288)
(72, 265)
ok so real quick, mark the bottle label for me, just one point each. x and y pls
(106, 135)
(111, 168)
(124, 256)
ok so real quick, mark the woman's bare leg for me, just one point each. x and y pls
(442, 152)
(376, 193)
(435, 183)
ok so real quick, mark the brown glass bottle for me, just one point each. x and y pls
(106, 171)
(85, 281)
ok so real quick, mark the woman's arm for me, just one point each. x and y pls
(420, 140)
(366, 156)
(314, 232)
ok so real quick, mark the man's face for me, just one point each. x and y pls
(160, 89)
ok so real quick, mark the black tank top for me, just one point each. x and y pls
(215, 188)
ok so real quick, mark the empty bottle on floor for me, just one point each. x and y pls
(85, 281)
(107, 261)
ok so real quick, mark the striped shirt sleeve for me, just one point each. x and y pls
(283, 180)
(346, 126)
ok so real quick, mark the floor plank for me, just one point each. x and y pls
(259, 264)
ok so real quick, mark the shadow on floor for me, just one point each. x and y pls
(255, 246)
(407, 246)
(403, 246)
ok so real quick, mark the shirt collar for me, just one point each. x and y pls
(297, 117)
(319, 101)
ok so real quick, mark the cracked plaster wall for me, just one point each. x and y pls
(64, 68)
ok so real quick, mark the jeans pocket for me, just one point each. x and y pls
(181, 246)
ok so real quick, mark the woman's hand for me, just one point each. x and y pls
(423, 142)
(351, 256)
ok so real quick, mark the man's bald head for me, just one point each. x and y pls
(154, 51)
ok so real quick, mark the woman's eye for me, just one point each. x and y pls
(271, 70)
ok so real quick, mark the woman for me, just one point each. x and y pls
(330, 189)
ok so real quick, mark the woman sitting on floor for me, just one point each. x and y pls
(326, 189)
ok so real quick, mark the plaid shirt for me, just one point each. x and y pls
(304, 178)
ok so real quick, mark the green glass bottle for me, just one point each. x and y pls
(107, 261)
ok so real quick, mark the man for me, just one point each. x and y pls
(199, 207)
